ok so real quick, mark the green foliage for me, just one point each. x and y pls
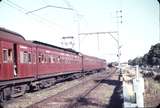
(136, 61)
(152, 58)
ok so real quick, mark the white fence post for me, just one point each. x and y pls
(138, 85)
(136, 88)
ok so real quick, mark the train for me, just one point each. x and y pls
(31, 65)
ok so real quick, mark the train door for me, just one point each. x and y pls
(7, 60)
(25, 67)
(15, 63)
(34, 62)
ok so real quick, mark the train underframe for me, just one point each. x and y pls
(19, 87)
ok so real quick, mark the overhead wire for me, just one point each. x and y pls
(79, 16)
(68, 4)
(75, 10)
(47, 7)
(20, 10)
(23, 10)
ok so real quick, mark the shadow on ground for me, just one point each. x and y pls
(87, 102)
(116, 100)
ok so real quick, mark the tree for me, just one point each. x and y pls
(154, 55)
(152, 58)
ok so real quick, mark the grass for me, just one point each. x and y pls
(152, 93)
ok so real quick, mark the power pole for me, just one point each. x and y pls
(98, 41)
(119, 21)
(113, 37)
(159, 19)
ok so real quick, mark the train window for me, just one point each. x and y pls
(58, 59)
(63, 59)
(54, 59)
(5, 55)
(34, 58)
(39, 58)
(47, 58)
(69, 60)
(43, 58)
(66, 60)
(25, 57)
(29, 58)
(10, 57)
(21, 57)
(50, 59)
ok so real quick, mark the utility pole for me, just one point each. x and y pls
(78, 30)
(159, 19)
(79, 17)
(119, 21)
(113, 37)
(98, 41)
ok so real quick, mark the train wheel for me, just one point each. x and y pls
(18, 90)
(1, 96)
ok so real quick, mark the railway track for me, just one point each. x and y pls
(65, 94)
(82, 98)
(74, 96)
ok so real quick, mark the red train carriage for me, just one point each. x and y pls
(53, 60)
(92, 63)
(26, 65)
(15, 63)
(101, 64)
(15, 57)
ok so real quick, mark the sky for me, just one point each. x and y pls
(137, 32)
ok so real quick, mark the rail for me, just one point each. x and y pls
(73, 102)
